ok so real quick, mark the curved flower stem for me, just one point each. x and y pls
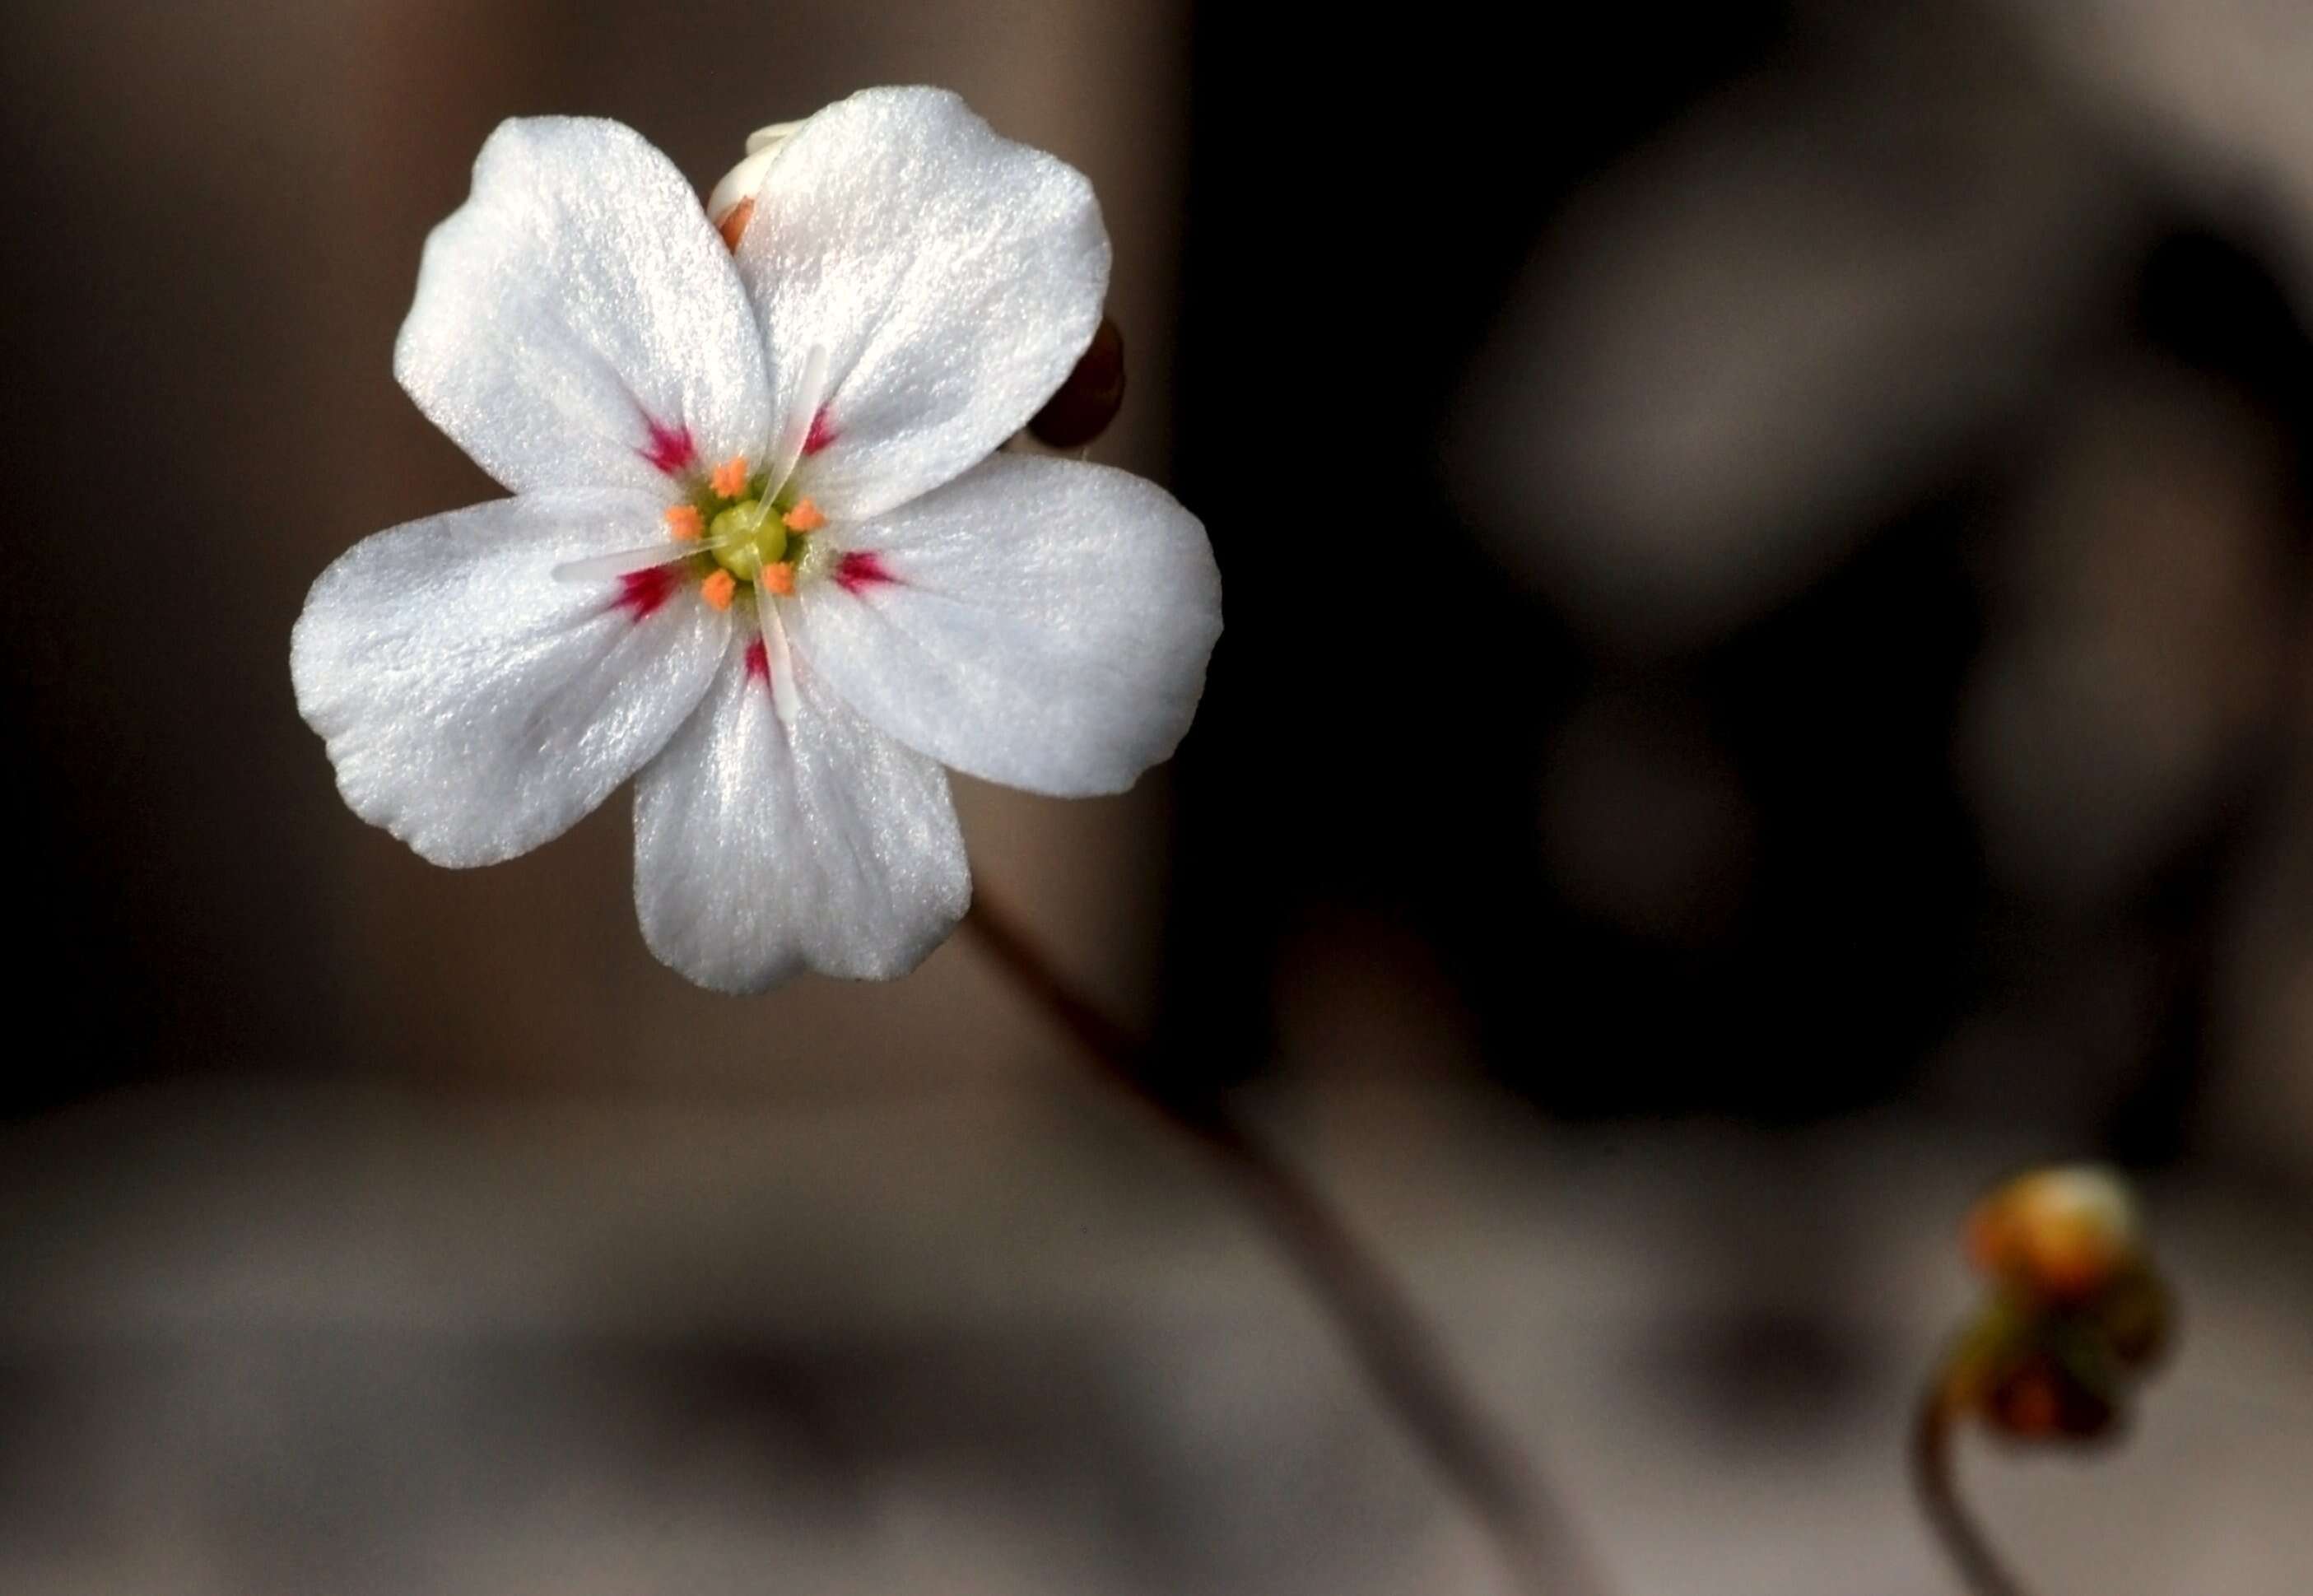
(1399, 1353)
(1933, 1435)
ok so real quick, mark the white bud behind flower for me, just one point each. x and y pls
(738, 186)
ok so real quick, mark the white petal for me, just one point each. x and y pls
(763, 848)
(953, 277)
(577, 318)
(1043, 623)
(474, 705)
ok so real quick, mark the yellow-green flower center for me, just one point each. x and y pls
(744, 533)
(748, 536)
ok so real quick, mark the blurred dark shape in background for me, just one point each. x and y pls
(1899, 447)
(1767, 683)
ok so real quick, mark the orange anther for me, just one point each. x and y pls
(777, 578)
(719, 589)
(730, 478)
(685, 524)
(804, 517)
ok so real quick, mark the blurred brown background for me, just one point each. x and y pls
(1766, 684)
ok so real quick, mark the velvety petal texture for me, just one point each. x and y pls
(763, 848)
(1041, 623)
(952, 276)
(910, 290)
(476, 706)
(577, 321)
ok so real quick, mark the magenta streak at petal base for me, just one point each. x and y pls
(821, 434)
(862, 571)
(670, 449)
(641, 593)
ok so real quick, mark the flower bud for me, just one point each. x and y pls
(731, 205)
(2076, 1315)
(2062, 1234)
(1091, 397)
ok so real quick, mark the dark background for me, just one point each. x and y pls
(1765, 685)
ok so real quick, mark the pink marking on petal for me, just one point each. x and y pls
(670, 449)
(821, 434)
(759, 661)
(642, 594)
(860, 571)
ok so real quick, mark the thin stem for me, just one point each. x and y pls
(1933, 1473)
(1399, 1354)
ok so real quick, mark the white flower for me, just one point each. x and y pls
(762, 555)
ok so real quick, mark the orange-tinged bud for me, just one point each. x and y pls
(731, 205)
(2075, 1317)
(2061, 1233)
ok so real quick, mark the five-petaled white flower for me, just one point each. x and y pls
(762, 555)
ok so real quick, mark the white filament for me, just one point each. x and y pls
(809, 394)
(626, 562)
(778, 658)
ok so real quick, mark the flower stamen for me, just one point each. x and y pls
(753, 526)
(624, 562)
(803, 420)
(785, 700)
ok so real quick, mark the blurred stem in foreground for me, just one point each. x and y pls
(1399, 1353)
(1980, 1569)
(2074, 1318)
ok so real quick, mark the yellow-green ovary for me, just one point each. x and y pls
(747, 537)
